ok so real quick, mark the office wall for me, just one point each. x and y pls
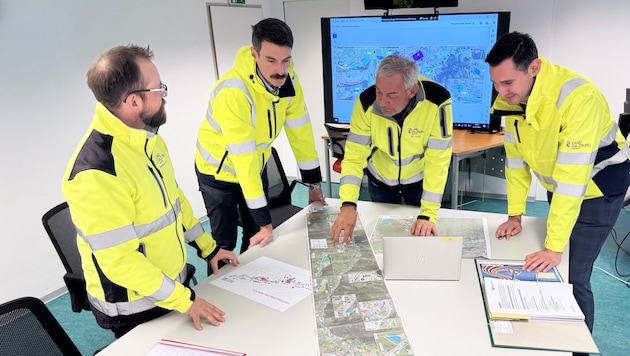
(574, 33)
(45, 105)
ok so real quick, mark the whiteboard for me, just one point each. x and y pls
(231, 29)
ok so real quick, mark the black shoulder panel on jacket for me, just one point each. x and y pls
(368, 97)
(435, 93)
(96, 153)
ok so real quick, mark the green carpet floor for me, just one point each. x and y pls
(612, 294)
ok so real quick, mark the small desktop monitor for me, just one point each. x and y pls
(449, 50)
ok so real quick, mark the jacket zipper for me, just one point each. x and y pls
(163, 190)
(222, 160)
(275, 119)
(518, 136)
(157, 180)
(399, 160)
(269, 122)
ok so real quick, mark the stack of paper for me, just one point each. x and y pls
(514, 300)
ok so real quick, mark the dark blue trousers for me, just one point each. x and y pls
(406, 196)
(596, 220)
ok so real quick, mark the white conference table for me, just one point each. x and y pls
(440, 317)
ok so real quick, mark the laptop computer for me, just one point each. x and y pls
(422, 257)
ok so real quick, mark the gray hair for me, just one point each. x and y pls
(397, 64)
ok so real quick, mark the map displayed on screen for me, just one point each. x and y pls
(450, 51)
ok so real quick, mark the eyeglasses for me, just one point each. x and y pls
(163, 88)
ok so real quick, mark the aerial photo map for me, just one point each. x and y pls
(473, 230)
(354, 312)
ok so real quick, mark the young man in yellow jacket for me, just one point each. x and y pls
(131, 217)
(401, 131)
(248, 108)
(558, 126)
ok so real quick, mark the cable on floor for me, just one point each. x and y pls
(620, 249)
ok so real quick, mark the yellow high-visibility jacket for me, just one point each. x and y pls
(242, 120)
(132, 219)
(569, 141)
(398, 157)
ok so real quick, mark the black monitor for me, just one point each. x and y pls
(450, 51)
(399, 4)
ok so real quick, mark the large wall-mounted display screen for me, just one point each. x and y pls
(449, 50)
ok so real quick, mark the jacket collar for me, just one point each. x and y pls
(108, 123)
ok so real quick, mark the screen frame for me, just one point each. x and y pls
(502, 27)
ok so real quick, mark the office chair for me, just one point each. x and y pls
(63, 235)
(28, 328)
(279, 196)
(337, 137)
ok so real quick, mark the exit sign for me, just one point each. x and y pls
(237, 1)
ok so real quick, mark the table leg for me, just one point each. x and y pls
(454, 182)
(327, 150)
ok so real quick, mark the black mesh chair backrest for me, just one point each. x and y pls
(28, 328)
(58, 224)
(279, 192)
(279, 187)
(63, 235)
(337, 137)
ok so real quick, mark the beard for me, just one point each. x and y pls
(156, 120)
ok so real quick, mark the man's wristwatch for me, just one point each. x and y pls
(314, 186)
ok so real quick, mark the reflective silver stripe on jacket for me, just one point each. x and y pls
(232, 83)
(121, 235)
(363, 140)
(567, 89)
(308, 165)
(299, 122)
(393, 182)
(193, 233)
(211, 160)
(617, 158)
(515, 163)
(570, 190)
(610, 137)
(431, 197)
(242, 147)
(137, 306)
(577, 158)
(508, 137)
(348, 179)
(256, 203)
(166, 289)
(441, 145)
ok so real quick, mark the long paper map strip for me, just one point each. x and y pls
(474, 231)
(354, 312)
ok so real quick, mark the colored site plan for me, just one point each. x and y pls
(473, 230)
(353, 309)
(515, 271)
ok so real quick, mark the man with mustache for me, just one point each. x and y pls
(131, 217)
(248, 108)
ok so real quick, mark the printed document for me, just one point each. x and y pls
(267, 281)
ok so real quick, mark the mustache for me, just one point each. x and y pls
(278, 76)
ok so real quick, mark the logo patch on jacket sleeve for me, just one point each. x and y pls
(577, 145)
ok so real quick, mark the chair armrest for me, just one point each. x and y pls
(76, 288)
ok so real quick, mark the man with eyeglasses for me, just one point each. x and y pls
(131, 217)
(248, 108)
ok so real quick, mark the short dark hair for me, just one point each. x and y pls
(516, 45)
(271, 30)
(116, 73)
